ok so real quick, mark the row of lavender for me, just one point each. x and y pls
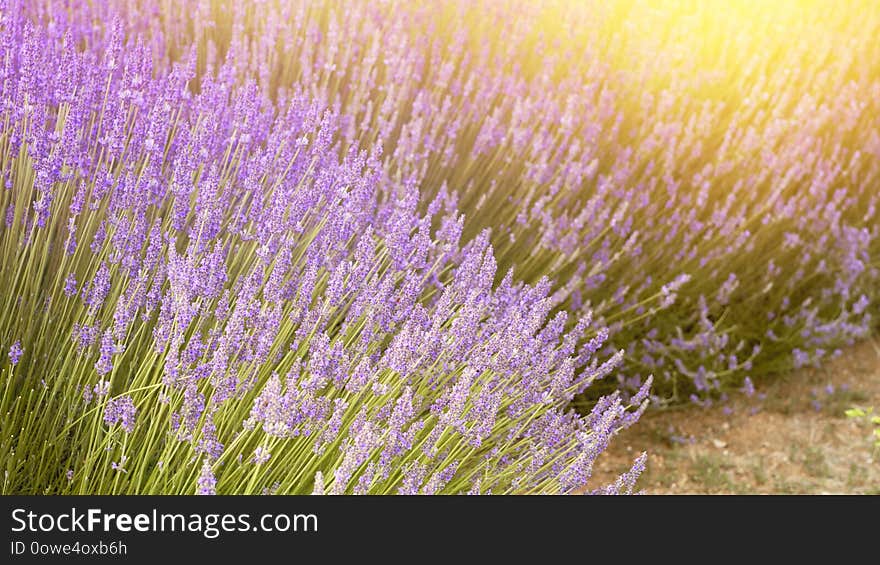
(711, 203)
(699, 176)
(206, 288)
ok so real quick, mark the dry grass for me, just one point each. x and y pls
(796, 440)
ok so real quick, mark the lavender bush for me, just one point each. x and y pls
(208, 289)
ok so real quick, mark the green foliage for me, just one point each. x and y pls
(868, 416)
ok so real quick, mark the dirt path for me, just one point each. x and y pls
(792, 437)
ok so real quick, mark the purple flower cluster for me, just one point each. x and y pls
(15, 353)
(120, 410)
(207, 484)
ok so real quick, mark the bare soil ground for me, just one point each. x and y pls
(792, 437)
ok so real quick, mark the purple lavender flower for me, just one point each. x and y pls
(120, 410)
(120, 465)
(101, 388)
(207, 483)
(70, 288)
(748, 387)
(261, 455)
(15, 352)
(801, 358)
(108, 349)
(669, 291)
(319, 484)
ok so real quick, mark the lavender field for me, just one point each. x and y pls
(431, 247)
